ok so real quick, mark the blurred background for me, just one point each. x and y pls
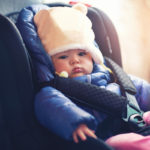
(132, 21)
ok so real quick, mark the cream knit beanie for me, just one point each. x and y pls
(65, 28)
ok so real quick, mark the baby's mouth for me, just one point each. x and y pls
(77, 70)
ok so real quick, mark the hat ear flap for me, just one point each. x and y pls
(81, 7)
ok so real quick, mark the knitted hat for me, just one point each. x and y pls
(65, 28)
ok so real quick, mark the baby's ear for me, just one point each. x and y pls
(81, 7)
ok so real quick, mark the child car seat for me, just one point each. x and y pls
(18, 126)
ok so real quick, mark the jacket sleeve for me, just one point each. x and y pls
(59, 114)
(143, 92)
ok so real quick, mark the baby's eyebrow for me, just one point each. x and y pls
(64, 53)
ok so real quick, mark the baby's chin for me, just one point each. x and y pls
(76, 75)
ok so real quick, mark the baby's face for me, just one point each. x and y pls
(75, 62)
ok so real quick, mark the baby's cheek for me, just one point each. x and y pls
(59, 67)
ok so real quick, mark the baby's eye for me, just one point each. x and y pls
(62, 57)
(82, 53)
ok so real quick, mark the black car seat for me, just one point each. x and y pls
(18, 126)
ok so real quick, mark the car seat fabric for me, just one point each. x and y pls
(16, 88)
(105, 34)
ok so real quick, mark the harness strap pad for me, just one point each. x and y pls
(122, 78)
(90, 95)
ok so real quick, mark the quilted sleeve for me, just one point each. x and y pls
(57, 113)
(143, 92)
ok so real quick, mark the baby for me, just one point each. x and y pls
(67, 36)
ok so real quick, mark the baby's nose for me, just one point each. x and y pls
(74, 60)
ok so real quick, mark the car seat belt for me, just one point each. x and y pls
(133, 112)
(101, 99)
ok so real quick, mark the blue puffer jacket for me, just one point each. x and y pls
(52, 108)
